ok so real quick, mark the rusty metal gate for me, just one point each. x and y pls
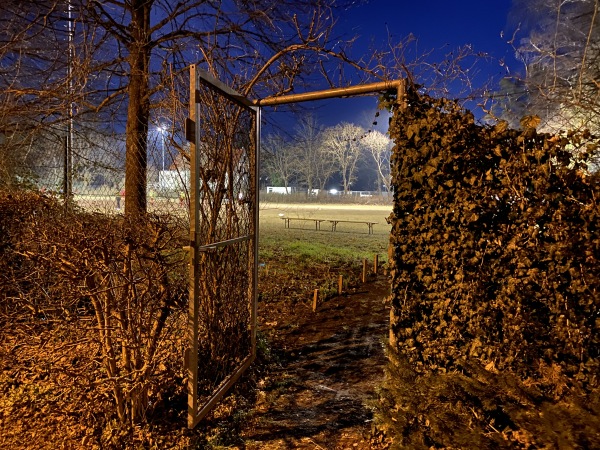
(223, 131)
(224, 135)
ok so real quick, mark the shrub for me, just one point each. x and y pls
(125, 274)
(27, 290)
(494, 251)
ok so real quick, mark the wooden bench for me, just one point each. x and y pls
(286, 221)
(335, 222)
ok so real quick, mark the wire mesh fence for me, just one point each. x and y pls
(223, 308)
(89, 170)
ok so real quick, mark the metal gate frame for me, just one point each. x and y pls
(198, 76)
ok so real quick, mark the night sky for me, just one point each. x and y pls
(435, 23)
(439, 26)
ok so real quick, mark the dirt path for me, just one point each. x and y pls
(331, 363)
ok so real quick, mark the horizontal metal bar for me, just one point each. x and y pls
(208, 247)
(217, 85)
(330, 93)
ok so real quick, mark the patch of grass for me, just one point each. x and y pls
(320, 252)
(302, 242)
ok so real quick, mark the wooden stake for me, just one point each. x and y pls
(315, 299)
(340, 285)
(364, 274)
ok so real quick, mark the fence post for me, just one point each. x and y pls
(315, 299)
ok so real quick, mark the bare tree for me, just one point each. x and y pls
(379, 146)
(315, 166)
(560, 51)
(282, 159)
(343, 143)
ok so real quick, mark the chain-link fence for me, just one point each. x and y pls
(223, 303)
(89, 170)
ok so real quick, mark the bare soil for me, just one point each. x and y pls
(321, 394)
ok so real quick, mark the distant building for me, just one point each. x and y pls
(280, 190)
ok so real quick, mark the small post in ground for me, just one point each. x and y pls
(315, 299)
(340, 285)
(364, 273)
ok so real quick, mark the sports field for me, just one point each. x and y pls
(349, 241)
(110, 204)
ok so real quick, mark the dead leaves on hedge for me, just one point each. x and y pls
(495, 247)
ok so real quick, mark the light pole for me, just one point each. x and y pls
(162, 130)
(68, 156)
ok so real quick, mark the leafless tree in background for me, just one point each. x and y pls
(316, 166)
(559, 45)
(379, 146)
(281, 159)
(343, 143)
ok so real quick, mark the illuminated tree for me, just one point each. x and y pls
(315, 165)
(343, 143)
(379, 146)
(281, 159)
(561, 55)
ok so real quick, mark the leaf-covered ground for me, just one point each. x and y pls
(313, 385)
(330, 363)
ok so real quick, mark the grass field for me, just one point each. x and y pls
(351, 241)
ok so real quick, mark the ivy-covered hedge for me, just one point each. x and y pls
(495, 253)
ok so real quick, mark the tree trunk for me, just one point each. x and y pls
(138, 111)
(345, 182)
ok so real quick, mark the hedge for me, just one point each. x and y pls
(495, 280)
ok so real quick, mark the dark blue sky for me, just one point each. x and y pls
(434, 22)
(438, 25)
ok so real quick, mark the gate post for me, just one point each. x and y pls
(192, 351)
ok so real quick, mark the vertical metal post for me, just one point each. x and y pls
(192, 351)
(68, 163)
(162, 131)
(255, 203)
(65, 183)
(68, 160)
(162, 147)
(401, 94)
